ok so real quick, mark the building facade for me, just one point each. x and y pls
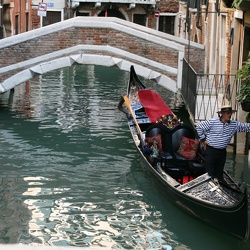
(222, 28)
(159, 15)
(56, 11)
(15, 17)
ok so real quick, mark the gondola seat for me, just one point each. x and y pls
(196, 169)
(188, 148)
(179, 146)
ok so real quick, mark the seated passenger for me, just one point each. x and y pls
(154, 148)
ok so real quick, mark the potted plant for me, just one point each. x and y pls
(243, 94)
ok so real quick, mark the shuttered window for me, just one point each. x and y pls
(166, 24)
(52, 17)
(140, 19)
(79, 13)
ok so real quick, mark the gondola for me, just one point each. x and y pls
(174, 157)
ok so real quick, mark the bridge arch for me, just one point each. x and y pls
(114, 12)
(68, 61)
(93, 40)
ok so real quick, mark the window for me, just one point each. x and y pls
(1, 32)
(17, 24)
(52, 17)
(140, 19)
(27, 21)
(246, 45)
(193, 4)
(78, 13)
(166, 24)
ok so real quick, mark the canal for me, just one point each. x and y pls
(70, 174)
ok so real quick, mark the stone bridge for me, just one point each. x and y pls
(101, 41)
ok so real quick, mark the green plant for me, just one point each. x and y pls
(236, 4)
(243, 74)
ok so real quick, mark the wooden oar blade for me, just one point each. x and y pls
(128, 105)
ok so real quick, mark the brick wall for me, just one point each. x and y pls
(169, 6)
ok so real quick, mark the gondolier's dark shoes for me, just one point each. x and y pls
(223, 181)
(216, 181)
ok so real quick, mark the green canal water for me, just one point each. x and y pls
(70, 174)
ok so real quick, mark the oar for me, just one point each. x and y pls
(128, 105)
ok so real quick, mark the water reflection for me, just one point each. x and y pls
(70, 175)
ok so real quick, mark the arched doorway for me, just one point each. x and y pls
(112, 11)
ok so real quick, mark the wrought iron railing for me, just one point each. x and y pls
(204, 94)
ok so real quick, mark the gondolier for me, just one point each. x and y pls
(216, 134)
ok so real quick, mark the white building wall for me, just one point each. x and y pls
(52, 4)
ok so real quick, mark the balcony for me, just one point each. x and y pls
(76, 3)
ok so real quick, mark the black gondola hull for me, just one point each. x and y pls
(221, 205)
(230, 219)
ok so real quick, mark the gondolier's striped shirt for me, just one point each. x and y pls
(219, 134)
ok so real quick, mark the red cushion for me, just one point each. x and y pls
(188, 147)
(150, 141)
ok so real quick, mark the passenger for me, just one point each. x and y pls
(154, 148)
(216, 134)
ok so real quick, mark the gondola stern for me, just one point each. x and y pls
(240, 228)
(246, 236)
